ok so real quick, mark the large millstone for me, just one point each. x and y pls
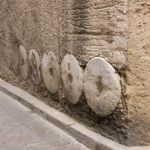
(101, 86)
(72, 77)
(51, 72)
(35, 67)
(23, 61)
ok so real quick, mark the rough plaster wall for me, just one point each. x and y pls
(19, 25)
(49, 25)
(96, 26)
(84, 28)
(7, 55)
(138, 75)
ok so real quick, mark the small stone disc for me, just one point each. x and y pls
(72, 77)
(35, 67)
(101, 86)
(51, 72)
(24, 66)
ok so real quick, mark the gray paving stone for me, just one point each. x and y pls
(20, 129)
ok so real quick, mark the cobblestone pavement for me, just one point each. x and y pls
(21, 129)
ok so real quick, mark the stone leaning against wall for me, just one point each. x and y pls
(101, 82)
(101, 86)
(23, 63)
(35, 67)
(72, 77)
(51, 72)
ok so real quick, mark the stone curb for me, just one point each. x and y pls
(83, 135)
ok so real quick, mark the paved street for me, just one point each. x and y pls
(21, 129)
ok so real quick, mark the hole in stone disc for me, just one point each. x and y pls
(69, 66)
(51, 71)
(70, 77)
(99, 84)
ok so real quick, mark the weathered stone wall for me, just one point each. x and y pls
(83, 28)
(96, 26)
(114, 29)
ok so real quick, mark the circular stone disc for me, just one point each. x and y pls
(35, 67)
(101, 86)
(24, 66)
(72, 77)
(50, 72)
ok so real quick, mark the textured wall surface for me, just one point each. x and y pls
(85, 28)
(96, 26)
(138, 81)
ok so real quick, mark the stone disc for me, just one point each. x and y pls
(51, 72)
(24, 66)
(35, 67)
(101, 86)
(72, 77)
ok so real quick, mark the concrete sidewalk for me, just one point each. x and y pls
(21, 129)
